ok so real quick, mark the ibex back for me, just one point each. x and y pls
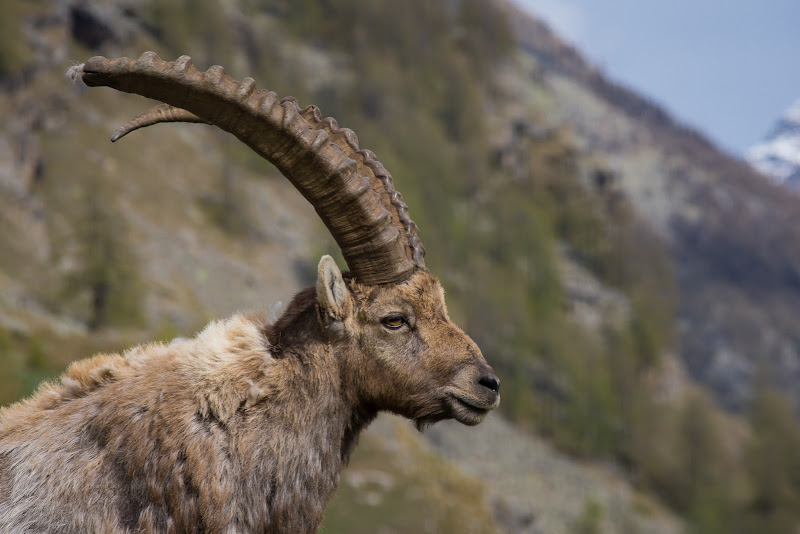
(245, 428)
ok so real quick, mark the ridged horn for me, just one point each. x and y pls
(350, 190)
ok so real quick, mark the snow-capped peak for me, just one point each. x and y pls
(778, 156)
(793, 113)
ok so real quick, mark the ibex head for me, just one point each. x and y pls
(387, 318)
(405, 353)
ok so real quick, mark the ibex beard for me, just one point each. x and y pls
(246, 427)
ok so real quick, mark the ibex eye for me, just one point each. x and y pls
(393, 321)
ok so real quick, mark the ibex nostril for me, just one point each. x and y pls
(491, 382)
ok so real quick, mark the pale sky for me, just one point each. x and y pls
(727, 68)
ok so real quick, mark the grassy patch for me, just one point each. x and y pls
(403, 488)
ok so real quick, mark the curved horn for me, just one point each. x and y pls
(348, 187)
(156, 114)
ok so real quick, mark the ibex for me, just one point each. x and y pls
(246, 427)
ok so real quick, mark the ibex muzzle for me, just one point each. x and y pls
(246, 427)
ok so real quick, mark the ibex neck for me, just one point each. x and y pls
(298, 336)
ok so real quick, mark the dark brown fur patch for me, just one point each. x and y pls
(297, 324)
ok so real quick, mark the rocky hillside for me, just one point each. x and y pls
(570, 220)
(732, 233)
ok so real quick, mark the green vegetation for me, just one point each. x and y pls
(15, 52)
(23, 365)
(226, 205)
(772, 461)
(589, 521)
(417, 89)
(196, 25)
(384, 482)
(102, 285)
(106, 274)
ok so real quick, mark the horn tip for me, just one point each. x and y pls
(75, 73)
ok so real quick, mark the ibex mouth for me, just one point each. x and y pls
(468, 410)
(476, 404)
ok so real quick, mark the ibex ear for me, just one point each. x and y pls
(332, 293)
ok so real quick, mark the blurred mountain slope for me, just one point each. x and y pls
(732, 234)
(542, 205)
